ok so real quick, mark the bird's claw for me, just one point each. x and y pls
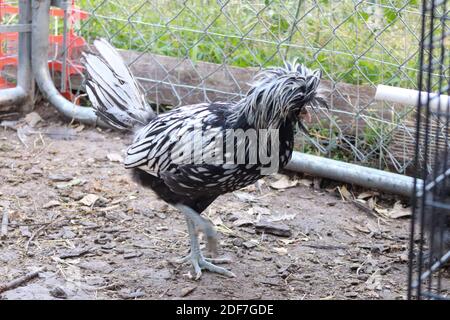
(201, 263)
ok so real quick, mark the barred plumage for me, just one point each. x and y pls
(164, 152)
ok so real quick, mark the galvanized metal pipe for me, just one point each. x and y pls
(39, 40)
(411, 97)
(22, 93)
(352, 173)
(12, 96)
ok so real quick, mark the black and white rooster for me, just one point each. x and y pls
(277, 101)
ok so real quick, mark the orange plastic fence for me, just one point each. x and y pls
(9, 40)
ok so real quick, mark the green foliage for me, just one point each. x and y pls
(390, 15)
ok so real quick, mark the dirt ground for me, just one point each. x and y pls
(75, 211)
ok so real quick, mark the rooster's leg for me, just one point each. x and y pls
(202, 224)
(199, 262)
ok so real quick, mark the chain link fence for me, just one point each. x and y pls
(186, 52)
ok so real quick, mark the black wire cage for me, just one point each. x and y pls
(430, 227)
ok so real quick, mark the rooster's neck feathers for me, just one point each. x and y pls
(276, 94)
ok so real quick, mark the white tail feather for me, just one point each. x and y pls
(113, 91)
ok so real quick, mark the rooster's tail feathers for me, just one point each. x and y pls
(113, 91)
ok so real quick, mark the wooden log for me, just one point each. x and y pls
(180, 81)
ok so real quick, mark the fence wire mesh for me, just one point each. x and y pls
(186, 52)
(192, 51)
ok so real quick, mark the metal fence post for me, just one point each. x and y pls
(21, 95)
(40, 43)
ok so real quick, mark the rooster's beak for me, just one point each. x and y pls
(304, 116)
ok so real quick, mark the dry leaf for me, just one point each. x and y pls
(188, 290)
(363, 229)
(32, 119)
(281, 251)
(383, 211)
(281, 217)
(97, 186)
(371, 203)
(89, 199)
(114, 157)
(71, 183)
(305, 182)
(374, 281)
(367, 194)
(244, 197)
(79, 128)
(217, 220)
(345, 194)
(398, 211)
(283, 183)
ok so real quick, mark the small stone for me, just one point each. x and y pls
(354, 282)
(76, 195)
(187, 291)
(131, 255)
(32, 119)
(124, 294)
(71, 183)
(68, 234)
(249, 244)
(355, 266)
(101, 202)
(237, 242)
(243, 222)
(146, 213)
(103, 238)
(351, 294)
(363, 277)
(277, 229)
(96, 266)
(34, 171)
(74, 253)
(108, 246)
(60, 177)
(114, 157)
(8, 255)
(22, 194)
(89, 199)
(159, 206)
(25, 231)
(160, 215)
